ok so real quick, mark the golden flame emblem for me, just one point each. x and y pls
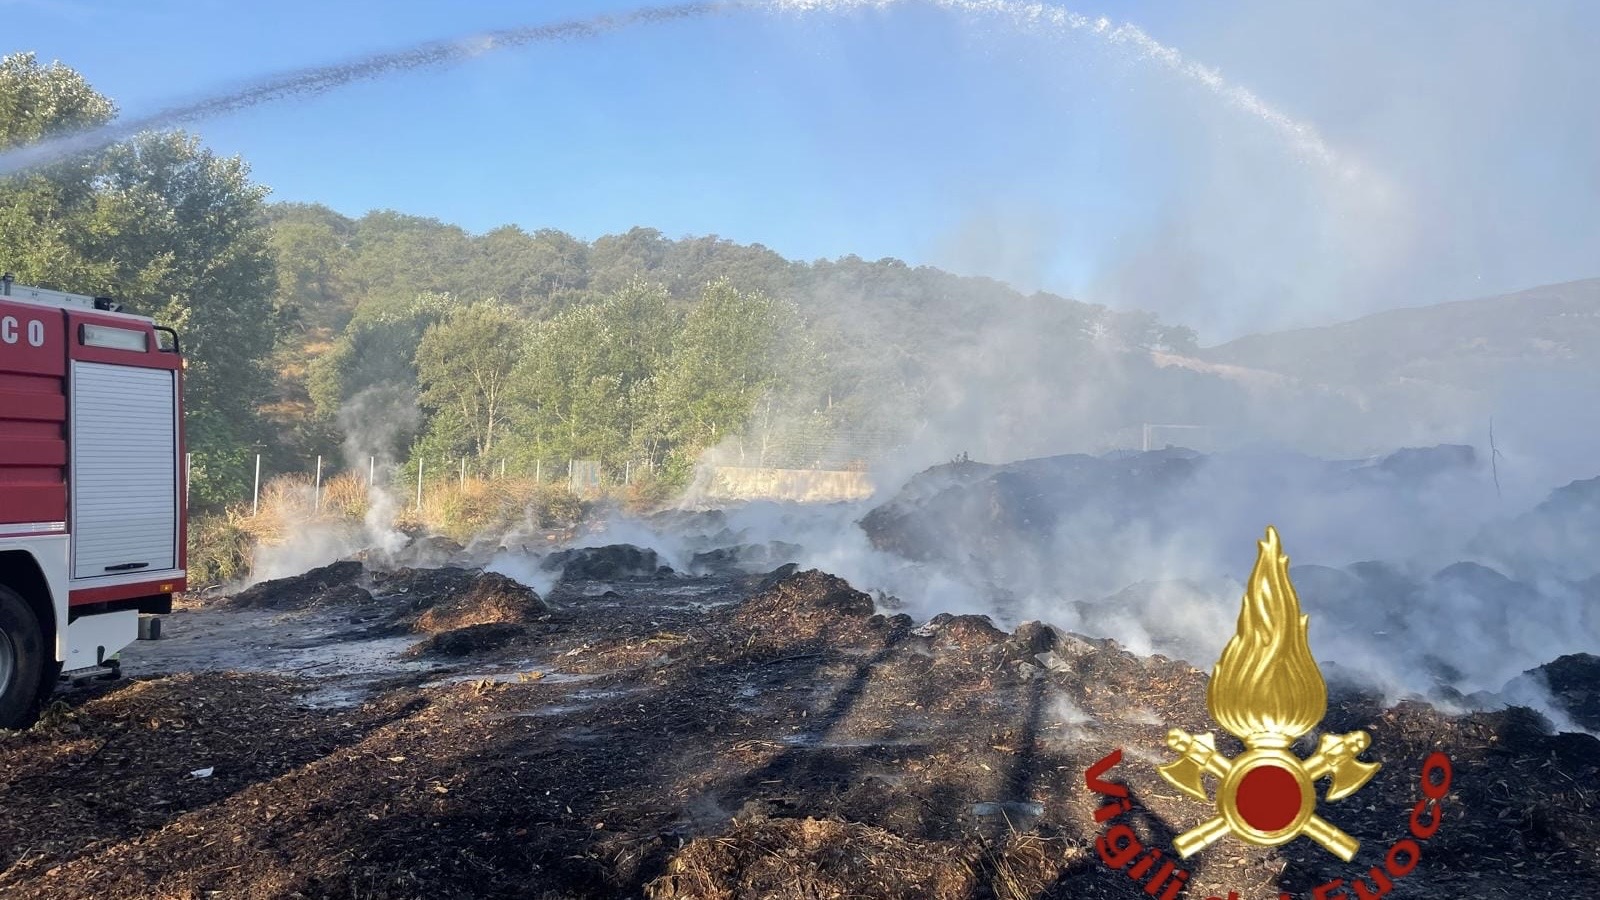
(1266, 690)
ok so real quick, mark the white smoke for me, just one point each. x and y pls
(374, 421)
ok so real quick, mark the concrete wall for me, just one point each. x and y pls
(804, 485)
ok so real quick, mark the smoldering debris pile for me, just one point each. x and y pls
(333, 584)
(485, 598)
(1418, 576)
(1010, 520)
(463, 610)
(790, 742)
(985, 515)
(1553, 539)
(745, 558)
(1572, 681)
(601, 563)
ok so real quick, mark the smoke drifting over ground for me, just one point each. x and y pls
(374, 422)
(1406, 564)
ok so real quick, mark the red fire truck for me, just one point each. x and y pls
(92, 530)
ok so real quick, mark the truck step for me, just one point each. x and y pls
(110, 671)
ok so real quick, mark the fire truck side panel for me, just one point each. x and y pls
(124, 478)
(126, 463)
(33, 448)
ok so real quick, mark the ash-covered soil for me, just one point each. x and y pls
(443, 733)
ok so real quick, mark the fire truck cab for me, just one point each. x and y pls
(92, 487)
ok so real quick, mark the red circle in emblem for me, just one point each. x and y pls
(1268, 798)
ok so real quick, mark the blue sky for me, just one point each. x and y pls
(935, 137)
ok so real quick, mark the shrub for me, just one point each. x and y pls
(220, 549)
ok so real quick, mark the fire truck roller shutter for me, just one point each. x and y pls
(23, 661)
(124, 481)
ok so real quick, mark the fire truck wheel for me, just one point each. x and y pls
(22, 661)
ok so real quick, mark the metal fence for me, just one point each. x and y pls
(581, 476)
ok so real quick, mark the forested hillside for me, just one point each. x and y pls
(310, 332)
(634, 346)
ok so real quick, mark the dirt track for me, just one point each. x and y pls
(696, 737)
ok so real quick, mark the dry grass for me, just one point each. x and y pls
(286, 501)
(461, 511)
(221, 546)
(345, 496)
(1026, 864)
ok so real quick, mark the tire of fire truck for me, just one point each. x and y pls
(23, 661)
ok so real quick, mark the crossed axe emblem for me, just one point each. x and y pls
(1267, 795)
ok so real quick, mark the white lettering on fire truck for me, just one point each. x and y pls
(10, 335)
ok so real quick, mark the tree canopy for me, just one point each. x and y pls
(168, 227)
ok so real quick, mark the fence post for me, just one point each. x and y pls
(255, 502)
(419, 484)
(316, 491)
(502, 467)
(538, 471)
(372, 472)
(463, 473)
(627, 472)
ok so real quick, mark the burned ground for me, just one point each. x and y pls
(709, 737)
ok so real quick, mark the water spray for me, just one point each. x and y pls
(310, 82)
(1303, 137)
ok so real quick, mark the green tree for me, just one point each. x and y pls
(189, 229)
(313, 248)
(378, 347)
(38, 101)
(736, 349)
(397, 255)
(538, 272)
(464, 365)
(42, 221)
(563, 265)
(587, 380)
(618, 259)
(170, 228)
